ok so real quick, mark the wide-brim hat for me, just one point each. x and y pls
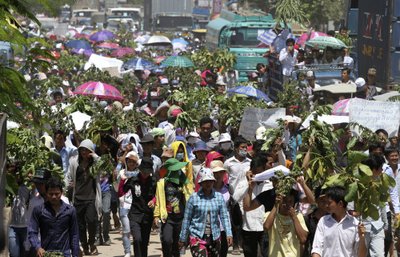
(217, 166)
(132, 155)
(148, 138)
(88, 144)
(174, 165)
(146, 165)
(206, 174)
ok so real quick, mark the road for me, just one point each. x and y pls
(116, 249)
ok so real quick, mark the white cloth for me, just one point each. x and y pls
(288, 61)
(336, 239)
(348, 62)
(236, 170)
(267, 174)
(394, 191)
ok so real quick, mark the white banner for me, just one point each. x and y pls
(376, 115)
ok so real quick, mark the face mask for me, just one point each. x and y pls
(243, 153)
(226, 146)
(179, 156)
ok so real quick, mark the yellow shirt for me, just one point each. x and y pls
(283, 241)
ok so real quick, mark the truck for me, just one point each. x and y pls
(168, 15)
(376, 27)
(239, 33)
(126, 15)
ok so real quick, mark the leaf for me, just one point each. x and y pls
(365, 169)
(352, 191)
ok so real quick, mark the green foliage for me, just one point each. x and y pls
(205, 59)
(290, 11)
(320, 12)
(103, 166)
(286, 182)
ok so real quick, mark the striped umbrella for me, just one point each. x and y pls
(177, 61)
(99, 89)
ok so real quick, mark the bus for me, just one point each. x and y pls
(82, 16)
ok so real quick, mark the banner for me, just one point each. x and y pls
(376, 115)
(253, 118)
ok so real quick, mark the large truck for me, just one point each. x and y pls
(239, 34)
(376, 27)
(168, 15)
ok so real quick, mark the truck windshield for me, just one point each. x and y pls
(245, 37)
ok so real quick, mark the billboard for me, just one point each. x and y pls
(374, 38)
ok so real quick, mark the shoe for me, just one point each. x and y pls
(127, 255)
(93, 250)
(107, 242)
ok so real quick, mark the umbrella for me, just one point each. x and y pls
(138, 64)
(122, 51)
(81, 35)
(341, 108)
(159, 59)
(179, 46)
(99, 89)
(102, 35)
(177, 61)
(180, 41)
(324, 41)
(250, 91)
(308, 36)
(86, 52)
(71, 33)
(142, 39)
(108, 45)
(78, 44)
(158, 40)
(340, 88)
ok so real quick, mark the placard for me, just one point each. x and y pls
(253, 118)
(376, 115)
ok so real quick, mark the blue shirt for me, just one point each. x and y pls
(65, 154)
(58, 232)
(196, 215)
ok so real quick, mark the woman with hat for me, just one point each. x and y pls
(171, 195)
(84, 185)
(204, 213)
(143, 188)
(132, 161)
(220, 185)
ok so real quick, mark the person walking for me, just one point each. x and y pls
(56, 222)
(204, 212)
(171, 195)
(143, 188)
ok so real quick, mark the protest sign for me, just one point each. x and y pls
(253, 118)
(376, 115)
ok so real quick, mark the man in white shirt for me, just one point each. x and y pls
(338, 234)
(288, 59)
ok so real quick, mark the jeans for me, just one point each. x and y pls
(252, 241)
(123, 215)
(170, 231)
(87, 220)
(141, 234)
(106, 208)
(17, 241)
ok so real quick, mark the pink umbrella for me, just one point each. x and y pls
(79, 35)
(108, 45)
(341, 107)
(99, 89)
(309, 35)
(122, 51)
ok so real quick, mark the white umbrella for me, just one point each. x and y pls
(338, 88)
(265, 175)
(158, 40)
(330, 119)
(386, 96)
(79, 119)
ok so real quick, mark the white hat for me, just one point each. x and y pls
(294, 119)
(88, 144)
(224, 137)
(121, 137)
(360, 82)
(206, 174)
(193, 134)
(217, 166)
(133, 156)
(310, 74)
(260, 133)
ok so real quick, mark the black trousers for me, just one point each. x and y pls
(224, 245)
(170, 231)
(141, 236)
(87, 222)
(252, 241)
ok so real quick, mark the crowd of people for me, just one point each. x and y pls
(197, 188)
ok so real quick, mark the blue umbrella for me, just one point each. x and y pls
(102, 35)
(78, 44)
(138, 64)
(179, 41)
(249, 91)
